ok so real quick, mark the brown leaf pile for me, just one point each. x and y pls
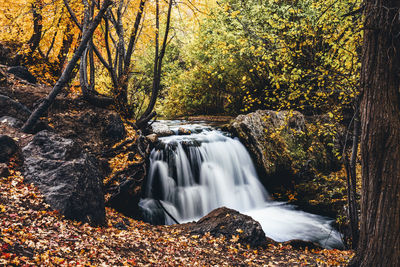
(32, 234)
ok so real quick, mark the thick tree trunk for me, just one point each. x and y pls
(379, 243)
(65, 76)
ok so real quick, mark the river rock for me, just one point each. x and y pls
(153, 138)
(161, 129)
(183, 131)
(230, 223)
(69, 180)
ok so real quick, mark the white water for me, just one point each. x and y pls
(194, 174)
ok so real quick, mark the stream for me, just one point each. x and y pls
(194, 174)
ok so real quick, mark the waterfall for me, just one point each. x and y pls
(193, 174)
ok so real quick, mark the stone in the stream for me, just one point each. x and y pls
(183, 131)
(70, 180)
(229, 223)
(153, 138)
(161, 129)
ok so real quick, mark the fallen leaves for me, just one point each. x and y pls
(31, 234)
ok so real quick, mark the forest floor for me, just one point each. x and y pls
(31, 234)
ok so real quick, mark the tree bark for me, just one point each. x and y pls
(65, 76)
(379, 243)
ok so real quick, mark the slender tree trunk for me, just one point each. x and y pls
(148, 113)
(352, 181)
(65, 76)
(379, 243)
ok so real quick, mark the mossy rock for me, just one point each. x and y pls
(285, 146)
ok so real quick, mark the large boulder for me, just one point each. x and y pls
(230, 223)
(69, 180)
(282, 146)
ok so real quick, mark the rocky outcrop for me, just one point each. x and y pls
(69, 180)
(233, 225)
(281, 146)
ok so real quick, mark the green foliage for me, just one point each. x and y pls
(247, 55)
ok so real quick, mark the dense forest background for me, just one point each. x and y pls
(225, 57)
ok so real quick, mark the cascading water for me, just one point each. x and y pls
(193, 174)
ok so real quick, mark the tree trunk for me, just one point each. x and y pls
(352, 180)
(148, 113)
(65, 76)
(37, 27)
(379, 243)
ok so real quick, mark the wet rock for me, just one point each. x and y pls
(13, 122)
(183, 131)
(8, 148)
(228, 223)
(23, 73)
(153, 138)
(69, 180)
(161, 129)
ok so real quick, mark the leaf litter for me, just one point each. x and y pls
(31, 234)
